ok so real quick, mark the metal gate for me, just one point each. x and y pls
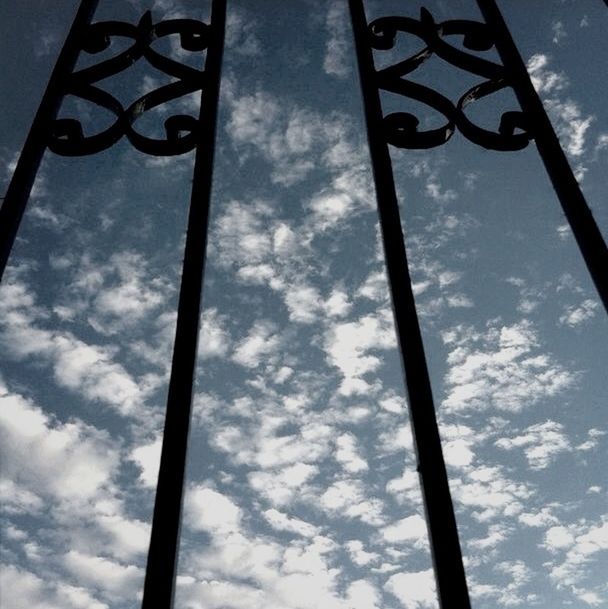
(400, 129)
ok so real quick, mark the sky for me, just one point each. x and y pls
(301, 488)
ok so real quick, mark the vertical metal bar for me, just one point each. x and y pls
(28, 164)
(159, 586)
(445, 546)
(584, 228)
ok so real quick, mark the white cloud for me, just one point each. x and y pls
(347, 454)
(209, 510)
(414, 590)
(67, 474)
(601, 143)
(337, 305)
(392, 403)
(348, 498)
(433, 189)
(282, 522)
(574, 549)
(280, 487)
(90, 370)
(241, 36)
(330, 208)
(85, 369)
(218, 594)
(297, 575)
(458, 453)
(303, 303)
(360, 556)
(410, 529)
(570, 123)
(540, 518)
(520, 574)
(396, 439)
(576, 315)
(497, 533)
(263, 443)
(68, 461)
(543, 79)
(214, 340)
(284, 373)
(16, 499)
(240, 235)
(21, 588)
(541, 443)
(282, 134)
(114, 295)
(406, 488)
(46, 216)
(296, 140)
(284, 240)
(490, 493)
(559, 32)
(262, 343)
(592, 441)
(361, 594)
(112, 579)
(128, 538)
(558, 538)
(348, 345)
(336, 61)
(375, 287)
(147, 458)
(502, 368)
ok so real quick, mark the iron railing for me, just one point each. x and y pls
(400, 129)
(65, 136)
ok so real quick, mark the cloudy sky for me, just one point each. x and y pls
(301, 486)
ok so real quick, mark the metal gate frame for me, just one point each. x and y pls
(186, 133)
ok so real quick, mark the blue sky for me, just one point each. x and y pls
(301, 488)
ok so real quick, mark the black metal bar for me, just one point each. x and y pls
(579, 216)
(159, 586)
(27, 167)
(443, 533)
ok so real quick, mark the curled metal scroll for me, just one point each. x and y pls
(67, 136)
(401, 128)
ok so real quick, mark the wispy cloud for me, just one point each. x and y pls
(337, 62)
(500, 368)
(571, 123)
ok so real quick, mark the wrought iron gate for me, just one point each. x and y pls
(399, 129)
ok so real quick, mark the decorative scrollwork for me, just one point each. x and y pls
(67, 137)
(401, 128)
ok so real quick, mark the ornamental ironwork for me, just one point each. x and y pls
(67, 137)
(183, 133)
(401, 128)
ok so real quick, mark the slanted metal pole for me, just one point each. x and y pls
(159, 586)
(445, 546)
(579, 216)
(28, 164)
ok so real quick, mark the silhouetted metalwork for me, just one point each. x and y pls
(401, 129)
(577, 212)
(445, 546)
(183, 133)
(515, 128)
(21, 184)
(159, 585)
(65, 136)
